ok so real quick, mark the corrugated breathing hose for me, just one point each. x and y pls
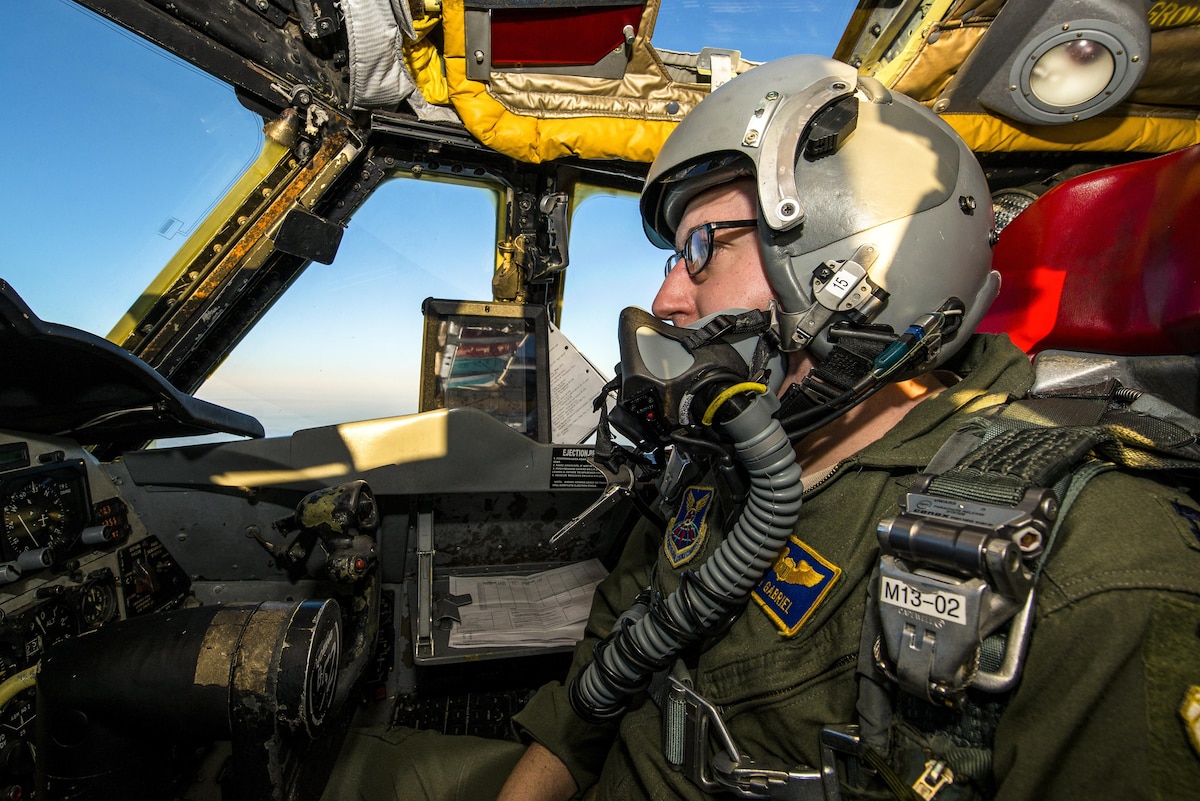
(650, 635)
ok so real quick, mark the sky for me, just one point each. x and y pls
(112, 166)
(761, 29)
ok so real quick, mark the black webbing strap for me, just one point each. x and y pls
(1005, 466)
(1039, 442)
(750, 322)
(849, 361)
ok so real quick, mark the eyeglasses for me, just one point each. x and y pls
(698, 247)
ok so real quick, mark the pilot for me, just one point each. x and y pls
(861, 224)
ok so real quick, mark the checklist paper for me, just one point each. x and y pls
(543, 609)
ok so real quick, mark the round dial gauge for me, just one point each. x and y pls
(35, 517)
(97, 604)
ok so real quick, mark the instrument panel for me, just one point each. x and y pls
(48, 516)
(72, 560)
(93, 551)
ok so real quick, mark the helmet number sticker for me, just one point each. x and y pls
(840, 286)
(842, 283)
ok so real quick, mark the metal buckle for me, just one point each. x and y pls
(688, 722)
(937, 775)
(952, 572)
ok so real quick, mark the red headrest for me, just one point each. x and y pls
(1108, 262)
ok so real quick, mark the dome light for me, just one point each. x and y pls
(1053, 63)
(1072, 73)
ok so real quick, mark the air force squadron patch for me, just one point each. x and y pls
(687, 531)
(795, 585)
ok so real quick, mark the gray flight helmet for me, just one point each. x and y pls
(871, 208)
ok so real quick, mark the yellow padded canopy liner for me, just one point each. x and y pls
(985, 133)
(536, 117)
(1162, 115)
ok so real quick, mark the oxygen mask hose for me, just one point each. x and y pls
(649, 637)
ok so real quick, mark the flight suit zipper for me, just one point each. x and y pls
(825, 479)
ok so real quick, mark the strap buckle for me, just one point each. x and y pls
(952, 572)
(937, 775)
(692, 725)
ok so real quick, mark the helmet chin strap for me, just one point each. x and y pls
(834, 386)
(863, 359)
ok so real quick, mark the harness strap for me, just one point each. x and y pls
(1048, 444)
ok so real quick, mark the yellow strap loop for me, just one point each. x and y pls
(736, 389)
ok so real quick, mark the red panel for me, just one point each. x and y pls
(1107, 262)
(559, 37)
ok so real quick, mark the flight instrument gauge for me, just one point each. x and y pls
(42, 516)
(98, 603)
(34, 517)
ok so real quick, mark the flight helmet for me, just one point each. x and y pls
(872, 211)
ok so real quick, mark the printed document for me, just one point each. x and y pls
(542, 609)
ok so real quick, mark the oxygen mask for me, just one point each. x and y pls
(681, 380)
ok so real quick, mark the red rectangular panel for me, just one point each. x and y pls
(559, 37)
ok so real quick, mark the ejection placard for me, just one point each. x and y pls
(570, 469)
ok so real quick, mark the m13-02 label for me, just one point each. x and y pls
(947, 606)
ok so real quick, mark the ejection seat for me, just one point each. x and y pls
(1108, 264)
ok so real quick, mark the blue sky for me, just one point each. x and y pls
(760, 29)
(95, 158)
(116, 155)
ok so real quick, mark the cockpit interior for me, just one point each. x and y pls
(198, 600)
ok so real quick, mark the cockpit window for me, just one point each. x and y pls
(344, 342)
(120, 155)
(612, 266)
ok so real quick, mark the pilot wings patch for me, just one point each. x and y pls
(795, 585)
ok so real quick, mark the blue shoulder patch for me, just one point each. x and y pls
(687, 531)
(795, 585)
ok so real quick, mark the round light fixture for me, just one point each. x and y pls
(1075, 71)
(1072, 73)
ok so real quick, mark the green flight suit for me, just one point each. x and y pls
(1115, 648)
